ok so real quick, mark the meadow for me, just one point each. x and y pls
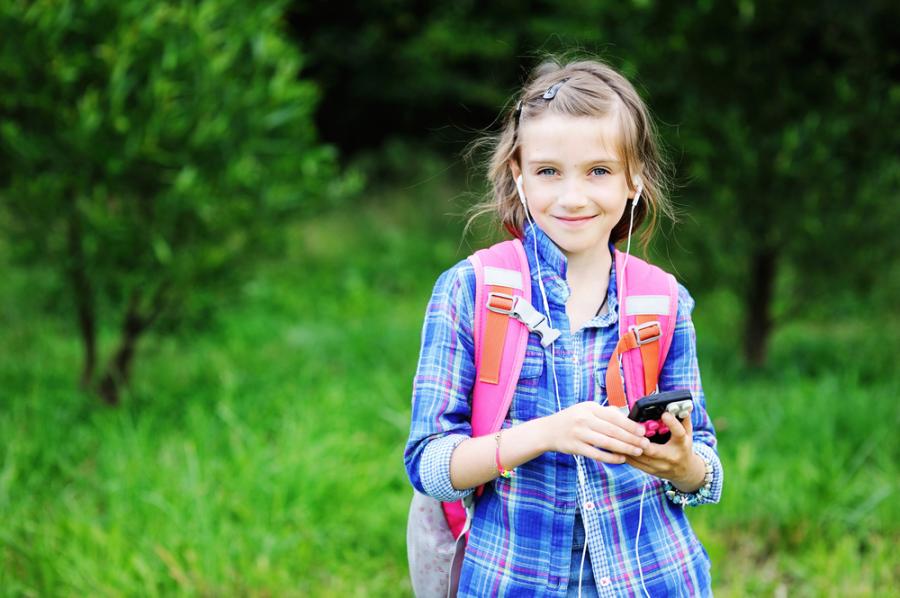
(261, 455)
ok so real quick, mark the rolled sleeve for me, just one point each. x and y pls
(682, 372)
(434, 468)
(441, 404)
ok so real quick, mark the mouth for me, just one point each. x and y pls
(574, 221)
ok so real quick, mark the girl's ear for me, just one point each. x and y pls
(514, 169)
(637, 181)
(638, 184)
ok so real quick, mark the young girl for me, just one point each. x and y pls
(583, 149)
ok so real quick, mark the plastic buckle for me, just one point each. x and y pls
(501, 310)
(535, 321)
(638, 328)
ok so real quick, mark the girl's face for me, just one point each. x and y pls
(574, 180)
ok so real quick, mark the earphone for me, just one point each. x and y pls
(521, 193)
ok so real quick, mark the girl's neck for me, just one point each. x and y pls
(589, 267)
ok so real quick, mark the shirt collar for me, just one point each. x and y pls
(553, 264)
(551, 255)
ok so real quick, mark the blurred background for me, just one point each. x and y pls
(221, 222)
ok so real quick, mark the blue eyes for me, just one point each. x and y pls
(598, 171)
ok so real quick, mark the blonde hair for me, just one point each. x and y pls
(590, 88)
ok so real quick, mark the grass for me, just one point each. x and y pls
(263, 456)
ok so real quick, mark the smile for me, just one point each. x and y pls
(574, 222)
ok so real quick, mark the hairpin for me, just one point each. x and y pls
(548, 95)
(551, 93)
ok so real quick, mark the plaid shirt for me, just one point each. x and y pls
(521, 538)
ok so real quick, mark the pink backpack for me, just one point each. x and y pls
(503, 317)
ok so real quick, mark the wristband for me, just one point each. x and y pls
(504, 473)
(692, 499)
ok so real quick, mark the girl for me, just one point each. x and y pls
(582, 148)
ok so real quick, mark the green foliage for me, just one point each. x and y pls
(782, 121)
(264, 456)
(786, 138)
(152, 151)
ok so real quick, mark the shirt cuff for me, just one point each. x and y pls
(434, 468)
(710, 492)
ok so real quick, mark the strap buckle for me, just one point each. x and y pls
(499, 308)
(525, 313)
(639, 329)
(535, 321)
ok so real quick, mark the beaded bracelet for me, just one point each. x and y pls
(692, 499)
(505, 473)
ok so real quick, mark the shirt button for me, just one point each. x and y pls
(605, 581)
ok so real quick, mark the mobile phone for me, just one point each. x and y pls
(648, 411)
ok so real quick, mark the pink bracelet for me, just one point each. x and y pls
(504, 473)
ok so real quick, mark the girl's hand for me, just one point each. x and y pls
(586, 428)
(674, 460)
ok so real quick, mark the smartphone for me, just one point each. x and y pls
(648, 411)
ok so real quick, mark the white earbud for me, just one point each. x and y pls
(639, 188)
(521, 192)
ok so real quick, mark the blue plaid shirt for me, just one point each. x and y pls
(521, 538)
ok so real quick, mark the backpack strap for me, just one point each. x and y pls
(648, 309)
(502, 295)
(502, 278)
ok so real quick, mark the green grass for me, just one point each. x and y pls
(264, 456)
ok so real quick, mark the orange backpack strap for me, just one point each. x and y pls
(648, 309)
(500, 301)
(645, 336)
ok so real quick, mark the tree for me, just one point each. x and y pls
(788, 121)
(150, 153)
(783, 119)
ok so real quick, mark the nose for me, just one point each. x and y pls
(572, 196)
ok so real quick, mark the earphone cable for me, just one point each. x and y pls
(637, 538)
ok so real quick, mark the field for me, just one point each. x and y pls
(262, 455)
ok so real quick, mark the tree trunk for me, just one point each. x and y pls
(118, 372)
(758, 323)
(134, 324)
(84, 300)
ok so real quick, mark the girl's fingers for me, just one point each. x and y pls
(611, 430)
(621, 420)
(652, 451)
(611, 444)
(602, 456)
(614, 423)
(674, 425)
(615, 417)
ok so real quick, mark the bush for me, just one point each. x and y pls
(149, 153)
